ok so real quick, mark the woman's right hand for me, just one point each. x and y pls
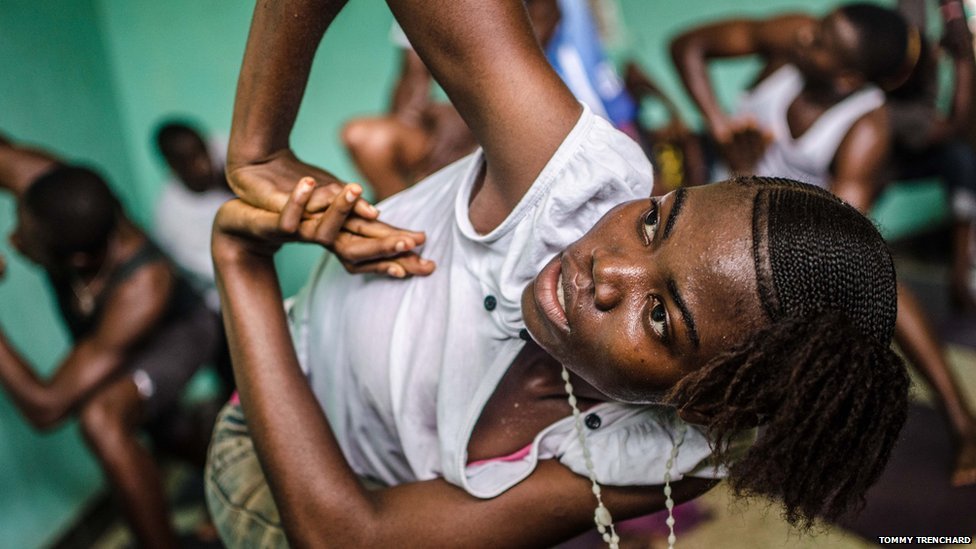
(268, 184)
(363, 246)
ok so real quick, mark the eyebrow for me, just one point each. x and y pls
(685, 313)
(679, 201)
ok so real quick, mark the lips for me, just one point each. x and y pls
(550, 295)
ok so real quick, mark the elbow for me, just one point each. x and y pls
(46, 417)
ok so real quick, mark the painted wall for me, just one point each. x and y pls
(92, 78)
(182, 57)
(55, 90)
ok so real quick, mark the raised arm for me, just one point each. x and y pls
(771, 39)
(483, 54)
(958, 42)
(20, 166)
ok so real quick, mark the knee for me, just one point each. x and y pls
(102, 426)
(368, 136)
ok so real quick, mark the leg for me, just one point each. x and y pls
(918, 341)
(957, 166)
(108, 422)
(386, 152)
(238, 495)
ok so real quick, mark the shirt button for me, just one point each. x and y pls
(491, 303)
(593, 421)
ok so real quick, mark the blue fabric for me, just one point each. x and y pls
(578, 29)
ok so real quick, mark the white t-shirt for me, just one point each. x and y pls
(183, 223)
(403, 368)
(809, 157)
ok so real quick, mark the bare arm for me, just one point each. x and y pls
(130, 315)
(483, 54)
(411, 95)
(860, 160)
(20, 166)
(486, 58)
(958, 42)
(771, 39)
(318, 495)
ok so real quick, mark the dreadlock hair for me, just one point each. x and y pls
(820, 380)
(883, 46)
(76, 209)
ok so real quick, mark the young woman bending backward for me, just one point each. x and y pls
(740, 329)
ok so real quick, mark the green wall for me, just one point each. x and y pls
(55, 90)
(91, 78)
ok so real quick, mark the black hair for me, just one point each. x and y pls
(170, 131)
(820, 379)
(75, 209)
(883, 42)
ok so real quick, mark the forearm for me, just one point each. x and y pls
(280, 48)
(317, 492)
(688, 52)
(20, 166)
(28, 392)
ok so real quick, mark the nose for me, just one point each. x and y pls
(614, 276)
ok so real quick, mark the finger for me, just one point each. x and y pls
(356, 249)
(401, 267)
(365, 210)
(291, 213)
(335, 216)
(378, 229)
(322, 197)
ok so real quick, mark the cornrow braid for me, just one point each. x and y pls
(820, 379)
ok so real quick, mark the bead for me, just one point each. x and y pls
(669, 504)
(614, 538)
(669, 521)
(667, 491)
(565, 375)
(671, 540)
(606, 537)
(572, 400)
(603, 516)
(490, 302)
(593, 421)
(599, 527)
(596, 489)
(569, 388)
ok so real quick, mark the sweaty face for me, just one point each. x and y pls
(824, 50)
(653, 291)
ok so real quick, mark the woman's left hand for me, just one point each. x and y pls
(363, 246)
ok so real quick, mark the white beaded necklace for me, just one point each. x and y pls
(601, 516)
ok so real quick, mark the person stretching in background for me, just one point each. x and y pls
(139, 331)
(817, 114)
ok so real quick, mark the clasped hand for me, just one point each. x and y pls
(272, 210)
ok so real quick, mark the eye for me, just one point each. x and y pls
(650, 220)
(658, 318)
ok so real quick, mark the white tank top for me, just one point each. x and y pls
(807, 158)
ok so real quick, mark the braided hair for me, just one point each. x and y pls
(820, 380)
